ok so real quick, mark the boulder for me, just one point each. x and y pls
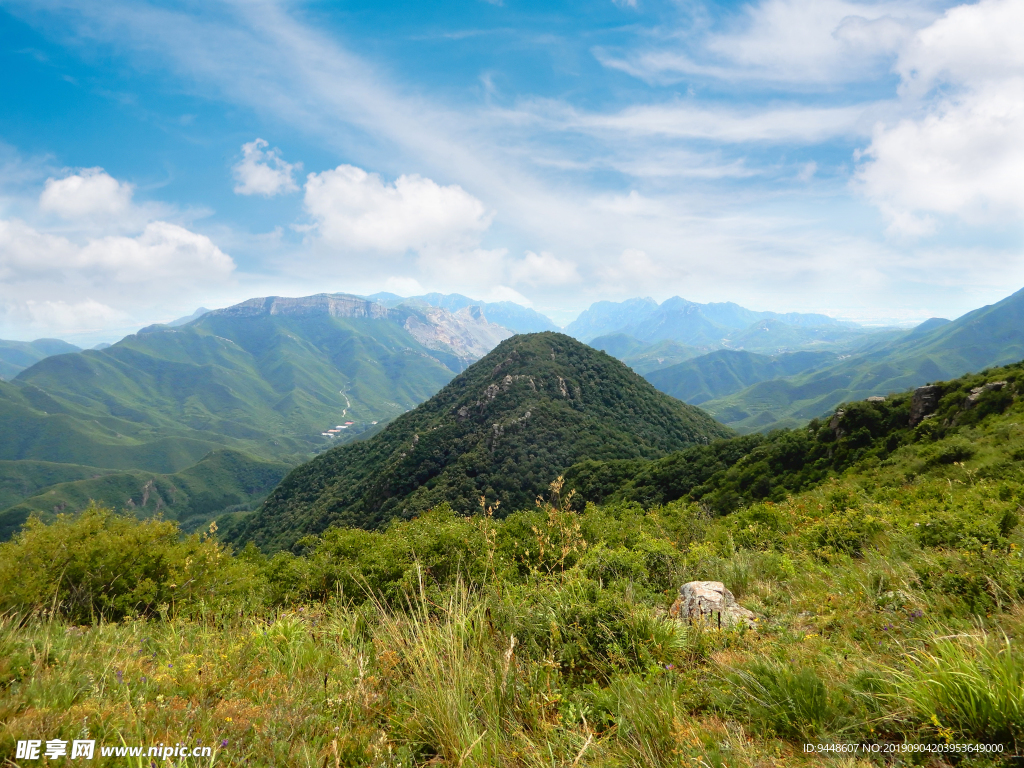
(992, 386)
(712, 604)
(924, 401)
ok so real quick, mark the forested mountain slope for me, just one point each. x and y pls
(918, 430)
(502, 429)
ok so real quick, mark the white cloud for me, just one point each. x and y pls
(91, 192)
(685, 120)
(504, 293)
(404, 286)
(358, 210)
(61, 317)
(785, 41)
(963, 156)
(543, 269)
(263, 171)
(160, 253)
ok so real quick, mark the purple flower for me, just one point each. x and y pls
(120, 676)
(224, 743)
(169, 666)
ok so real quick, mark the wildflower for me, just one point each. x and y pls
(120, 676)
(224, 743)
(229, 719)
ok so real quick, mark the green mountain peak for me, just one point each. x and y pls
(502, 429)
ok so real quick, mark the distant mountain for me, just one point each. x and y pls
(502, 429)
(504, 313)
(275, 378)
(724, 372)
(936, 350)
(188, 318)
(644, 358)
(607, 317)
(16, 356)
(714, 326)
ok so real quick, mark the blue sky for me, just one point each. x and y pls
(858, 158)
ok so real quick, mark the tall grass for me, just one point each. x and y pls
(967, 687)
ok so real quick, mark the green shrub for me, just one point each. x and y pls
(101, 565)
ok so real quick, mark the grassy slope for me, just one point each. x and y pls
(889, 601)
(534, 405)
(985, 337)
(221, 481)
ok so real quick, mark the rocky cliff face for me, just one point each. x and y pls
(467, 332)
(335, 305)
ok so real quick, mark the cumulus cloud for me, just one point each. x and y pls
(263, 171)
(91, 192)
(963, 155)
(355, 209)
(161, 252)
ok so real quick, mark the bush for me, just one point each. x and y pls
(102, 565)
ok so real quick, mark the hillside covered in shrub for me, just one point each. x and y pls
(888, 593)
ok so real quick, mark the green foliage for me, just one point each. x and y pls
(100, 565)
(888, 603)
(728, 475)
(502, 430)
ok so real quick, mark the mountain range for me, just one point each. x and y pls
(707, 327)
(501, 431)
(936, 350)
(271, 379)
(214, 399)
(507, 314)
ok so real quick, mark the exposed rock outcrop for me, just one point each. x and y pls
(923, 403)
(992, 386)
(711, 603)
